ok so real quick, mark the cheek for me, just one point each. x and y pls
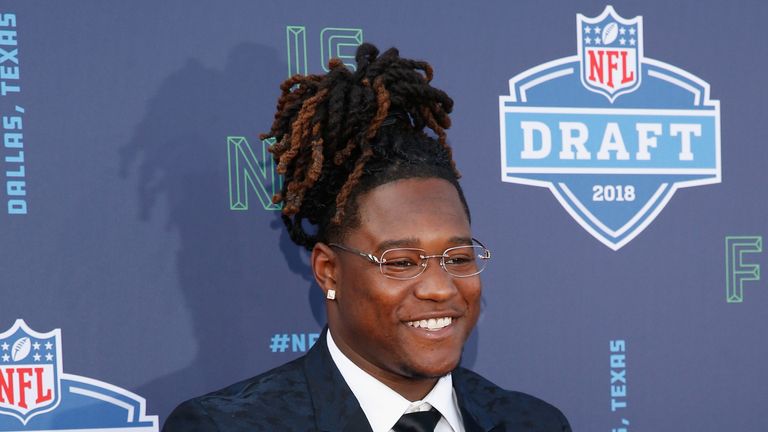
(366, 300)
(472, 293)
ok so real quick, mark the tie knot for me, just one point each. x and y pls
(423, 421)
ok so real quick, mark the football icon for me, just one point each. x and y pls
(20, 349)
(610, 32)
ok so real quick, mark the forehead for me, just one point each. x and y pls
(415, 212)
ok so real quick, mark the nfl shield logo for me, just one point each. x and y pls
(30, 371)
(611, 52)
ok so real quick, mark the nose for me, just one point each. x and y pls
(435, 283)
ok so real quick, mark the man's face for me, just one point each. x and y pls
(370, 317)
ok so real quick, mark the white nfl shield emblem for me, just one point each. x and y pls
(30, 371)
(611, 52)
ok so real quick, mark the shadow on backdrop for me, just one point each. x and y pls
(179, 154)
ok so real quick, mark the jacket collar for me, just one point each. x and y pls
(476, 411)
(336, 408)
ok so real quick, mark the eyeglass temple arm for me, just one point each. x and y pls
(487, 254)
(372, 258)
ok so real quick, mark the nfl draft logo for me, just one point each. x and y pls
(613, 134)
(35, 395)
(30, 372)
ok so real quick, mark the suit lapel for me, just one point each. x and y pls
(470, 424)
(334, 404)
(476, 416)
(357, 422)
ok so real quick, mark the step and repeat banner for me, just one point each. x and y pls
(613, 156)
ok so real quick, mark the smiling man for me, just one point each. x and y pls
(392, 250)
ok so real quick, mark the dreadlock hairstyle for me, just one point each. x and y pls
(341, 134)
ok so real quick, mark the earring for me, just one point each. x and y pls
(330, 294)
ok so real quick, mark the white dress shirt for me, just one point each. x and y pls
(383, 406)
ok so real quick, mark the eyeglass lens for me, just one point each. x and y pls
(461, 261)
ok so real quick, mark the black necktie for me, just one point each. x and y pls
(423, 421)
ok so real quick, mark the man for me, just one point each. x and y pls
(394, 254)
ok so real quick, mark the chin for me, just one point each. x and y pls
(432, 370)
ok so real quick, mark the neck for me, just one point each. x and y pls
(412, 389)
(406, 383)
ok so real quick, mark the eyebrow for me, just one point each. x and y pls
(412, 242)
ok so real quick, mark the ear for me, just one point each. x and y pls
(324, 267)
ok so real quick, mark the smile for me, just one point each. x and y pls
(431, 324)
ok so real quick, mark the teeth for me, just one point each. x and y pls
(432, 323)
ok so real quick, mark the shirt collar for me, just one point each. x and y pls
(384, 406)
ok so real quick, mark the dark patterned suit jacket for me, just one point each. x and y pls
(309, 394)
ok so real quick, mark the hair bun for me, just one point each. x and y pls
(366, 54)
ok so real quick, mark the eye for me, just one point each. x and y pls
(402, 262)
(459, 259)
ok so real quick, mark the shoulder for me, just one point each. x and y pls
(493, 405)
(274, 400)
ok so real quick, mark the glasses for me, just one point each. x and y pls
(409, 263)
